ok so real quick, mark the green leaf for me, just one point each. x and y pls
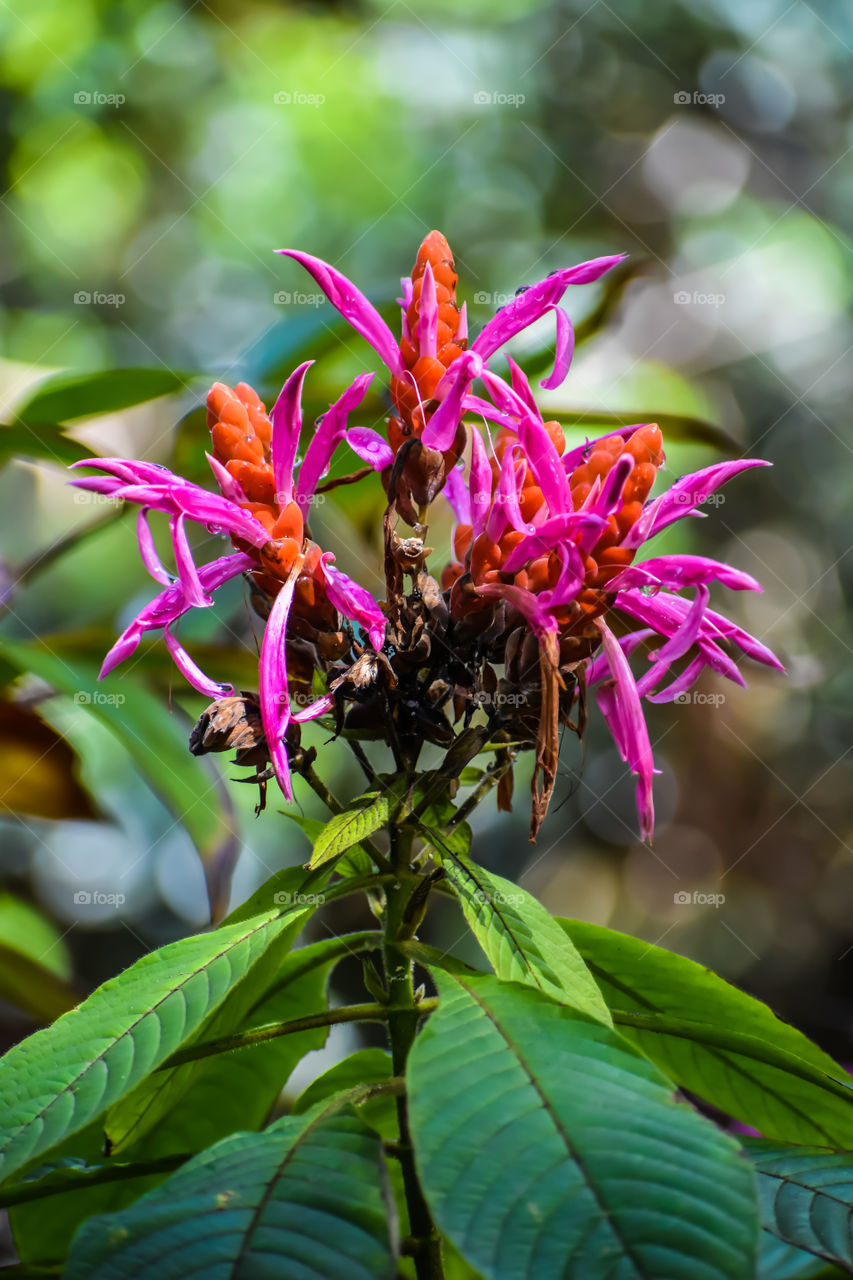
(718, 1042)
(778, 1261)
(365, 1067)
(45, 441)
(370, 813)
(550, 1149)
(194, 1104)
(806, 1198)
(357, 861)
(303, 1199)
(522, 941)
(65, 396)
(62, 1078)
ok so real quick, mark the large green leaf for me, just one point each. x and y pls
(718, 1042)
(40, 440)
(65, 396)
(549, 1148)
(32, 987)
(194, 1104)
(205, 1100)
(60, 1079)
(806, 1198)
(522, 941)
(302, 1200)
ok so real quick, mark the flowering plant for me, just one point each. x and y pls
(539, 1119)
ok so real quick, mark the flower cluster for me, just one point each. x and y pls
(543, 585)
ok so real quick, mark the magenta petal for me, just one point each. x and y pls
(458, 494)
(549, 535)
(192, 672)
(521, 386)
(539, 448)
(329, 432)
(462, 326)
(148, 551)
(534, 302)
(610, 495)
(600, 667)
(679, 685)
(354, 602)
(688, 633)
(286, 418)
(273, 689)
(622, 709)
(476, 404)
(354, 307)
(574, 457)
(504, 509)
(315, 709)
(370, 447)
(187, 571)
(440, 431)
(479, 483)
(685, 496)
(428, 315)
(564, 352)
(570, 579)
(680, 571)
(229, 487)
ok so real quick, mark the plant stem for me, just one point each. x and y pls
(402, 1015)
(272, 1030)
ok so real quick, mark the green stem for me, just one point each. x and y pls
(403, 1013)
(64, 1180)
(272, 1030)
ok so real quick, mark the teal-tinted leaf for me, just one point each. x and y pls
(549, 1149)
(303, 1199)
(521, 939)
(778, 1261)
(65, 396)
(718, 1042)
(65, 1076)
(806, 1198)
(365, 1067)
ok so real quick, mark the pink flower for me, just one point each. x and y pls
(263, 504)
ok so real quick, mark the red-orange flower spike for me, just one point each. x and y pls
(432, 340)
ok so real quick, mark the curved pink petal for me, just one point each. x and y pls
(553, 532)
(354, 307)
(148, 550)
(329, 432)
(192, 672)
(427, 334)
(273, 690)
(458, 494)
(681, 571)
(440, 432)
(229, 487)
(354, 602)
(531, 303)
(504, 509)
(479, 483)
(685, 496)
(187, 571)
(622, 709)
(564, 351)
(370, 447)
(286, 419)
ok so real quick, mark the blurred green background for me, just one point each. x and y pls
(154, 156)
